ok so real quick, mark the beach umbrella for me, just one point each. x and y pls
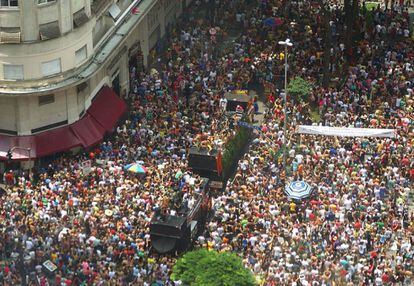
(298, 190)
(135, 168)
(269, 22)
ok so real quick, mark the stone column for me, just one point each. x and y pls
(23, 114)
(72, 104)
(161, 18)
(29, 21)
(124, 74)
(88, 7)
(66, 17)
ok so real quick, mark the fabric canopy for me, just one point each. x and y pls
(10, 36)
(135, 168)
(107, 108)
(22, 142)
(55, 140)
(100, 118)
(346, 131)
(88, 130)
(298, 190)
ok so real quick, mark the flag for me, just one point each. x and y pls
(219, 164)
(135, 10)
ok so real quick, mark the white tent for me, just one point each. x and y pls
(346, 131)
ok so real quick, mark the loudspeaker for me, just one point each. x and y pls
(202, 160)
(168, 233)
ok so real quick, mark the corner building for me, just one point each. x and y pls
(57, 56)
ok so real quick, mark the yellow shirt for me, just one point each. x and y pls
(292, 206)
(380, 147)
(151, 260)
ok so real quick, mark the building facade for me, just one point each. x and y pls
(56, 55)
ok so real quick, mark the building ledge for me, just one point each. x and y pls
(79, 75)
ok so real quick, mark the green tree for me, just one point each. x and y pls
(233, 150)
(210, 268)
(299, 89)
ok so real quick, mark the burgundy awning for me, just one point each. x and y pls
(55, 140)
(88, 130)
(100, 118)
(20, 145)
(107, 108)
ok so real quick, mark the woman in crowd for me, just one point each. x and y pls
(356, 230)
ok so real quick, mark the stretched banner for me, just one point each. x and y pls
(346, 131)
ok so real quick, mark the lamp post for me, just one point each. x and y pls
(287, 43)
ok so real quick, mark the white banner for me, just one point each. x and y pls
(346, 131)
(86, 167)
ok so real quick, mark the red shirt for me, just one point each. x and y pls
(9, 177)
(385, 278)
(311, 216)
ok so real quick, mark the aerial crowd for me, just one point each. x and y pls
(356, 229)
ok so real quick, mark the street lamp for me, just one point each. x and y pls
(287, 43)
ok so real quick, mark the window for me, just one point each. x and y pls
(9, 3)
(51, 67)
(49, 30)
(13, 72)
(45, 1)
(80, 18)
(46, 99)
(80, 55)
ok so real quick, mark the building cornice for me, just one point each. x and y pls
(104, 49)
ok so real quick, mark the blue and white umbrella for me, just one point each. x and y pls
(298, 190)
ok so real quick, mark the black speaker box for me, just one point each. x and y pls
(202, 160)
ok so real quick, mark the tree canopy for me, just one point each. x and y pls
(299, 88)
(210, 268)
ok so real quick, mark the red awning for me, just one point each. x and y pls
(107, 108)
(56, 140)
(100, 118)
(88, 130)
(20, 146)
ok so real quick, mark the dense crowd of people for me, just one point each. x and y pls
(356, 229)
